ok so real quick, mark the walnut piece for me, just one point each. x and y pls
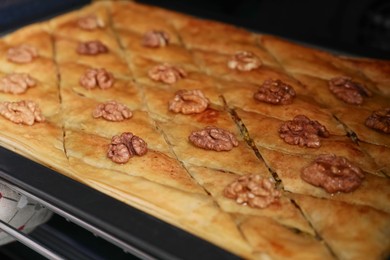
(244, 61)
(380, 120)
(348, 91)
(93, 78)
(303, 132)
(112, 111)
(22, 54)
(188, 102)
(125, 146)
(275, 92)
(22, 112)
(252, 190)
(90, 22)
(155, 39)
(166, 73)
(16, 83)
(91, 48)
(213, 138)
(333, 173)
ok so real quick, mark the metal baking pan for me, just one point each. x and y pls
(133, 230)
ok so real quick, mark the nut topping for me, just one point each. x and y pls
(97, 78)
(22, 112)
(188, 102)
(155, 39)
(252, 190)
(244, 61)
(333, 174)
(22, 54)
(90, 22)
(380, 120)
(275, 92)
(91, 48)
(348, 91)
(303, 132)
(112, 111)
(213, 138)
(166, 73)
(16, 83)
(125, 146)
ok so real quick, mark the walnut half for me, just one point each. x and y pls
(333, 173)
(125, 146)
(379, 120)
(188, 102)
(252, 190)
(112, 111)
(349, 91)
(91, 48)
(155, 39)
(97, 78)
(244, 61)
(16, 83)
(90, 22)
(166, 73)
(22, 112)
(22, 54)
(213, 138)
(275, 92)
(303, 132)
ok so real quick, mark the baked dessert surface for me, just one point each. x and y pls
(225, 126)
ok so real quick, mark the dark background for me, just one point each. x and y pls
(357, 27)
